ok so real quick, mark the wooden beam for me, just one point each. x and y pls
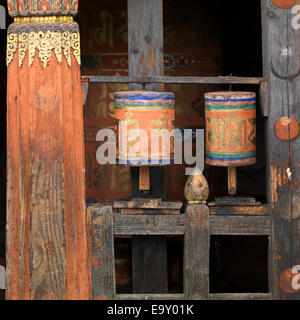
(147, 203)
(281, 51)
(196, 253)
(102, 252)
(149, 224)
(178, 80)
(240, 296)
(149, 211)
(150, 297)
(146, 58)
(177, 225)
(261, 210)
(239, 225)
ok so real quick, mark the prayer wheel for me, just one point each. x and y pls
(144, 123)
(230, 137)
(230, 128)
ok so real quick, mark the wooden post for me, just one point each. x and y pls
(145, 50)
(47, 248)
(102, 252)
(281, 68)
(196, 252)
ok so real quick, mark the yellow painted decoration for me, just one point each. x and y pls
(44, 19)
(44, 42)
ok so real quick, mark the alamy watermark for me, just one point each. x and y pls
(134, 146)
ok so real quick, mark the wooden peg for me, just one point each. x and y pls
(232, 181)
(144, 183)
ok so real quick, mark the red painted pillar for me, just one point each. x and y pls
(47, 247)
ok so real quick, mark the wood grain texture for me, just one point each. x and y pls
(149, 211)
(102, 252)
(168, 79)
(240, 296)
(262, 210)
(149, 224)
(150, 297)
(47, 248)
(281, 69)
(146, 58)
(144, 183)
(147, 203)
(196, 253)
(149, 256)
(240, 225)
(145, 41)
(232, 180)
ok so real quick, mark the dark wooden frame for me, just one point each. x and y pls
(196, 224)
(279, 219)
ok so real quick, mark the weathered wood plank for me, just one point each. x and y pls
(293, 85)
(239, 225)
(47, 254)
(145, 41)
(281, 70)
(146, 58)
(240, 296)
(149, 224)
(177, 80)
(150, 297)
(154, 281)
(232, 180)
(102, 252)
(262, 210)
(144, 179)
(149, 211)
(147, 203)
(196, 253)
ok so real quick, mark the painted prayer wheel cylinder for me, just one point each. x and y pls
(154, 113)
(230, 128)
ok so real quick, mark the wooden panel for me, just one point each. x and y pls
(240, 296)
(196, 253)
(263, 210)
(102, 252)
(149, 225)
(239, 225)
(281, 69)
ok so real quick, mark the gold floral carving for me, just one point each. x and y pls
(12, 46)
(44, 42)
